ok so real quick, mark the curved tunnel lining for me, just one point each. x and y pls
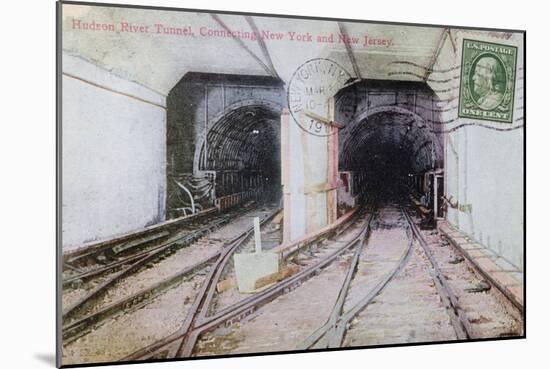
(243, 149)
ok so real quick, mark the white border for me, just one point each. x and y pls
(27, 192)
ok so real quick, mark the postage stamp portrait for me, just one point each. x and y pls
(487, 81)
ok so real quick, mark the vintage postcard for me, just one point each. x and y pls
(238, 184)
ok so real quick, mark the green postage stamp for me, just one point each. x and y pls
(487, 81)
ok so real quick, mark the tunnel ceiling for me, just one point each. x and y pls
(246, 138)
(390, 137)
(159, 61)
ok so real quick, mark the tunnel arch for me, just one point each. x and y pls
(206, 123)
(387, 143)
(409, 127)
(242, 148)
(221, 124)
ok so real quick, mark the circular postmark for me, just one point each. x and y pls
(310, 87)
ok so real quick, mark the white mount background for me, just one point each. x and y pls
(27, 185)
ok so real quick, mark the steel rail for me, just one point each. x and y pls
(237, 311)
(342, 295)
(332, 333)
(122, 261)
(177, 236)
(337, 333)
(203, 298)
(137, 300)
(459, 321)
(149, 256)
(91, 250)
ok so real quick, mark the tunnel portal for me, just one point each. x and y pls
(387, 147)
(223, 141)
(242, 151)
(389, 136)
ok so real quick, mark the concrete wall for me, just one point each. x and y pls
(484, 164)
(113, 154)
(485, 176)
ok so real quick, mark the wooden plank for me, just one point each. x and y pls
(285, 272)
(424, 210)
(278, 218)
(225, 285)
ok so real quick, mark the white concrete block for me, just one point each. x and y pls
(250, 267)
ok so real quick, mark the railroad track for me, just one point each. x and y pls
(192, 275)
(484, 312)
(397, 269)
(198, 322)
(114, 255)
(89, 311)
(333, 332)
(422, 298)
(109, 255)
(391, 289)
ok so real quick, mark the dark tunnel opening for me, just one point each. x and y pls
(243, 150)
(388, 168)
(383, 150)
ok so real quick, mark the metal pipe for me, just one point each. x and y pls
(188, 193)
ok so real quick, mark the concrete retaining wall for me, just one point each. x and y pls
(113, 154)
(484, 163)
